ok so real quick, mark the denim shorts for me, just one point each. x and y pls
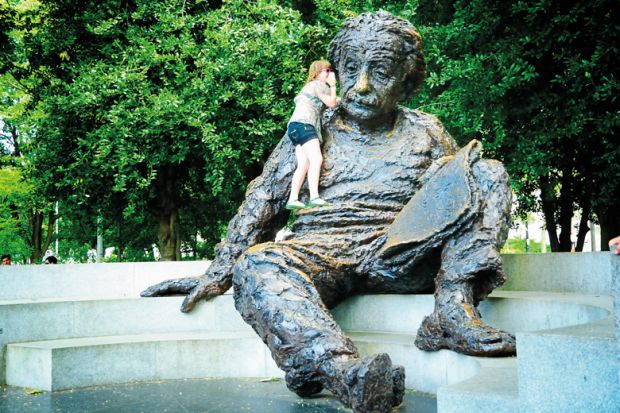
(300, 133)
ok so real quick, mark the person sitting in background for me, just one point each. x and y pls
(51, 260)
(6, 259)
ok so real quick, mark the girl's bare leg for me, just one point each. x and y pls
(312, 150)
(300, 173)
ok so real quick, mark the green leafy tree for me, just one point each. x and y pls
(537, 83)
(150, 107)
(26, 222)
(11, 195)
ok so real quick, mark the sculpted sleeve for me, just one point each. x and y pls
(260, 216)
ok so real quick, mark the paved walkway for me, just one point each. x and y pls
(187, 396)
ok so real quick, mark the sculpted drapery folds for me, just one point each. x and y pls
(409, 213)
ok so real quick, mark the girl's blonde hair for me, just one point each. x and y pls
(316, 67)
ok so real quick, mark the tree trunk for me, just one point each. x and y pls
(17, 153)
(610, 225)
(35, 218)
(121, 241)
(547, 196)
(167, 215)
(566, 211)
(38, 242)
(120, 249)
(561, 208)
(583, 227)
(585, 201)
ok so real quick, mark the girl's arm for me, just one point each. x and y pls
(328, 96)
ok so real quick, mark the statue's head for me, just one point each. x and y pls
(379, 62)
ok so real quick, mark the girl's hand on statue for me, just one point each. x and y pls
(331, 79)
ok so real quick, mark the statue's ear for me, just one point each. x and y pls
(412, 83)
(406, 92)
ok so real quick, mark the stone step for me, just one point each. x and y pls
(510, 310)
(70, 363)
(109, 280)
(29, 320)
(513, 311)
(45, 319)
(566, 369)
(424, 371)
(583, 273)
(586, 273)
(570, 369)
(520, 311)
(494, 389)
(50, 319)
(81, 362)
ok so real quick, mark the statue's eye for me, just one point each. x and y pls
(381, 73)
(352, 67)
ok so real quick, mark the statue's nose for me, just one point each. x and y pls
(361, 84)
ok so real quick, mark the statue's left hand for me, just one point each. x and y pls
(196, 288)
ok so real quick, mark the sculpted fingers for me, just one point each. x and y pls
(170, 287)
(199, 292)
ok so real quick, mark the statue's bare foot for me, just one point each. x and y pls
(196, 288)
(463, 331)
(368, 385)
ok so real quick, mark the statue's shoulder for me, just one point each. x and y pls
(420, 119)
(429, 126)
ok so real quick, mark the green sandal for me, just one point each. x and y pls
(317, 202)
(295, 205)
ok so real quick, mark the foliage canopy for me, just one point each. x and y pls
(150, 117)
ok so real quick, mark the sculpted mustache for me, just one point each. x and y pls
(354, 97)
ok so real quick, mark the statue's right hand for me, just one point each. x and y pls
(196, 289)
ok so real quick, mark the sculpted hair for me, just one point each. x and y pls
(315, 69)
(375, 25)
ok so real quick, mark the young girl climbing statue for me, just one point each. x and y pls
(304, 129)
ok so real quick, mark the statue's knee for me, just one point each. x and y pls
(247, 277)
(247, 260)
(494, 186)
(489, 172)
(254, 264)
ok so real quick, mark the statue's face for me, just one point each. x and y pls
(372, 76)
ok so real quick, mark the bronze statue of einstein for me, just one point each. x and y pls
(409, 213)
